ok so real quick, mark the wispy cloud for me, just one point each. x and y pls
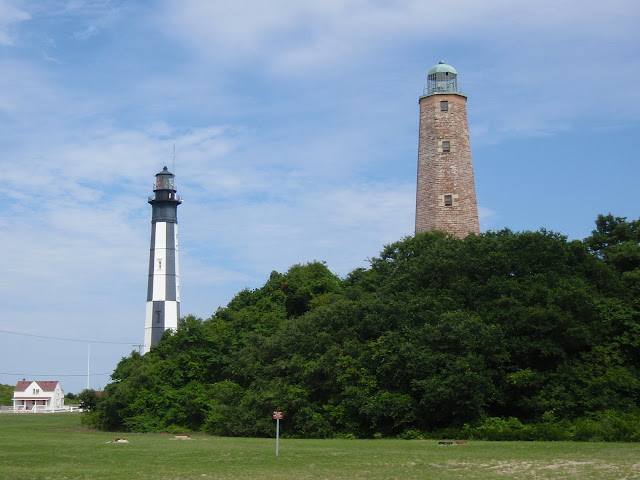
(9, 16)
(546, 60)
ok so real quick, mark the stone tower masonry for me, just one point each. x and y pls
(446, 192)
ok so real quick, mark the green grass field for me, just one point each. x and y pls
(56, 446)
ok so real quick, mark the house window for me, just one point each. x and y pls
(36, 391)
(444, 106)
(448, 200)
(446, 146)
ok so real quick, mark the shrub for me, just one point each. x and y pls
(411, 435)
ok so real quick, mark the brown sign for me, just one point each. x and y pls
(278, 415)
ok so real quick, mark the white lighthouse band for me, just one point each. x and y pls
(163, 290)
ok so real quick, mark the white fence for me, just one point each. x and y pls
(39, 409)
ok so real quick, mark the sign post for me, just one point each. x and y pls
(277, 416)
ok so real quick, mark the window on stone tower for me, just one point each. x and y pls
(446, 146)
(448, 200)
(444, 106)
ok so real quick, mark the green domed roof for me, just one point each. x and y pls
(442, 68)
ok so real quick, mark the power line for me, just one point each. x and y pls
(67, 339)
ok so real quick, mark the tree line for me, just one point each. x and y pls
(499, 335)
(6, 394)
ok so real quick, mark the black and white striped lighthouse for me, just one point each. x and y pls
(163, 291)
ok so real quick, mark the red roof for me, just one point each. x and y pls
(45, 385)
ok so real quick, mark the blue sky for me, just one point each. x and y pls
(295, 129)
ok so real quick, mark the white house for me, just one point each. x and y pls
(37, 396)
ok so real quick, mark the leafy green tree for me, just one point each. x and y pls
(88, 399)
(438, 333)
(617, 241)
(6, 394)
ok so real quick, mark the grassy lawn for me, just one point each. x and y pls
(55, 446)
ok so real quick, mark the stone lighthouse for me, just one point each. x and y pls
(446, 192)
(163, 291)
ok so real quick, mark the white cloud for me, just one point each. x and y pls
(342, 225)
(487, 218)
(9, 15)
(548, 61)
(313, 29)
(285, 36)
